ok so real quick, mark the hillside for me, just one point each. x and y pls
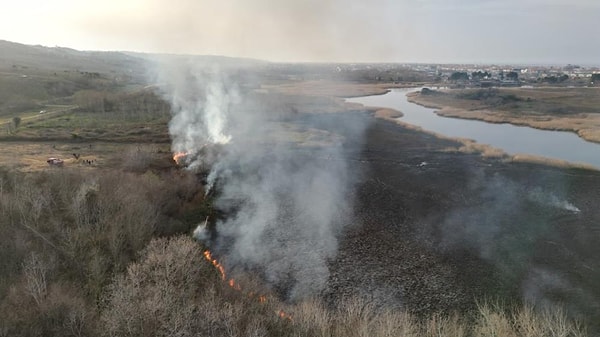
(16, 57)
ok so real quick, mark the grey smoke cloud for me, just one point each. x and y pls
(202, 98)
(558, 31)
(281, 178)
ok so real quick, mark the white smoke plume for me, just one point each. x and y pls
(281, 178)
(548, 198)
(201, 103)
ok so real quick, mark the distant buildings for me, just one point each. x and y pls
(502, 75)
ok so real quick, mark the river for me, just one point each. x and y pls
(510, 138)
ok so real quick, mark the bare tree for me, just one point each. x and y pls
(36, 283)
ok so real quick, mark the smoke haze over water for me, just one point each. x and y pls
(282, 178)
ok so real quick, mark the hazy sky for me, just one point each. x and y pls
(474, 31)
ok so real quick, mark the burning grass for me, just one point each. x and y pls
(172, 269)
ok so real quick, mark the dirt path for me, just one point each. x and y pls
(56, 110)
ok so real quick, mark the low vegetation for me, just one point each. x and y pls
(67, 233)
(98, 116)
(567, 109)
(559, 102)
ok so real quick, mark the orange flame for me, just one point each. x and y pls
(283, 315)
(215, 263)
(234, 285)
(177, 156)
(221, 269)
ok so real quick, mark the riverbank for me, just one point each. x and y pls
(337, 89)
(469, 146)
(584, 124)
(338, 97)
(470, 142)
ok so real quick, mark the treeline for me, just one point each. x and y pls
(19, 93)
(361, 73)
(395, 75)
(490, 96)
(137, 104)
(67, 234)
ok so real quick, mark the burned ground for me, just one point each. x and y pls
(438, 231)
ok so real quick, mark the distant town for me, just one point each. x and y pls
(494, 75)
(452, 75)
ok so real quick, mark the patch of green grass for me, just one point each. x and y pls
(97, 126)
(519, 101)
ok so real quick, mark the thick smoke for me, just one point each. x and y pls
(201, 103)
(280, 178)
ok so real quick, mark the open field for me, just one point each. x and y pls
(31, 156)
(79, 136)
(85, 126)
(567, 109)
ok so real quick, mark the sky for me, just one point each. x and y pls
(425, 31)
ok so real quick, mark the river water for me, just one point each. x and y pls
(510, 138)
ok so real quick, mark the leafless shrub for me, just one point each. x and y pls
(35, 272)
(354, 318)
(137, 158)
(399, 323)
(75, 323)
(29, 201)
(357, 317)
(312, 316)
(156, 296)
(173, 291)
(524, 321)
(61, 312)
(440, 326)
(65, 312)
(83, 206)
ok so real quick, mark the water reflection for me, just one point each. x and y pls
(510, 138)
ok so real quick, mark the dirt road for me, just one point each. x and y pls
(53, 111)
